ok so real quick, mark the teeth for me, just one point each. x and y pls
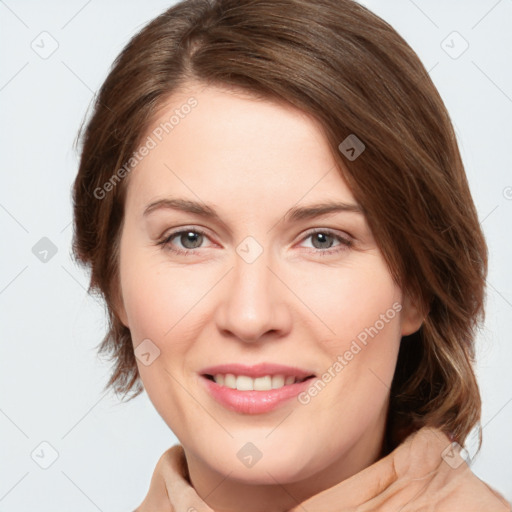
(263, 383)
(277, 381)
(229, 381)
(246, 383)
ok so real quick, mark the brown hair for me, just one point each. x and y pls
(350, 70)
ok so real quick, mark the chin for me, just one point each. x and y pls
(260, 468)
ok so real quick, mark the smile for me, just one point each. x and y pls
(247, 383)
(254, 389)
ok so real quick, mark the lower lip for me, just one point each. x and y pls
(254, 402)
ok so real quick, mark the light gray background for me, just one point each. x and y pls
(51, 379)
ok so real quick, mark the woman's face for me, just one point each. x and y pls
(224, 263)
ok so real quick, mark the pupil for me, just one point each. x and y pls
(186, 238)
(324, 236)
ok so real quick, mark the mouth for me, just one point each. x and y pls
(254, 389)
(248, 383)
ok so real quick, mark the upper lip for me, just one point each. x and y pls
(258, 370)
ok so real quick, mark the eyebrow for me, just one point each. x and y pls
(294, 214)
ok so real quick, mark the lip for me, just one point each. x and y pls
(254, 402)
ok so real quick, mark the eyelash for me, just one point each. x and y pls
(345, 243)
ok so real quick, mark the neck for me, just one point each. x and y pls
(225, 494)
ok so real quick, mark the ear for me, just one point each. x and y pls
(411, 316)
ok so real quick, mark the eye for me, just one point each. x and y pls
(322, 241)
(193, 238)
(189, 238)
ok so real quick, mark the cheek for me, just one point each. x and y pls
(157, 296)
(361, 308)
(350, 299)
(159, 304)
(147, 304)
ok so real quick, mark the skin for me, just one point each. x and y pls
(301, 302)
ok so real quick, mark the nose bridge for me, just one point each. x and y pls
(253, 300)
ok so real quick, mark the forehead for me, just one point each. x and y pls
(224, 145)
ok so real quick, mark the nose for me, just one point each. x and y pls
(253, 304)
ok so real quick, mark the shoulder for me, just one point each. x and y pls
(429, 458)
(470, 493)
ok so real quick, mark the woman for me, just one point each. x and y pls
(272, 202)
